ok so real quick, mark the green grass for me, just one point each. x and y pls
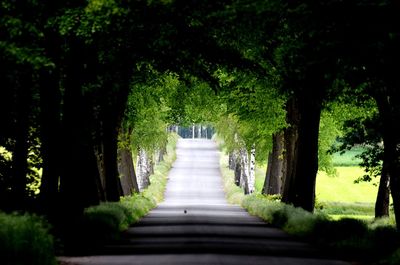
(348, 158)
(342, 187)
(25, 239)
(339, 196)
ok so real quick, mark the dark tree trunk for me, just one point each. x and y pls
(20, 152)
(301, 144)
(78, 182)
(290, 154)
(50, 100)
(382, 199)
(113, 184)
(389, 110)
(127, 172)
(273, 178)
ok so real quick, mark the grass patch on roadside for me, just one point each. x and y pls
(329, 227)
(25, 239)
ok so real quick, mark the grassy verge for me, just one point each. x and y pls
(348, 238)
(24, 239)
(105, 222)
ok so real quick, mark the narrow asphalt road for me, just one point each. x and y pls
(195, 224)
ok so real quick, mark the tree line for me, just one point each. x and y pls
(85, 83)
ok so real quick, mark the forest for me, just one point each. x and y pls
(88, 86)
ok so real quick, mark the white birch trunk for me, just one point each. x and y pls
(199, 131)
(244, 178)
(143, 170)
(193, 131)
(252, 169)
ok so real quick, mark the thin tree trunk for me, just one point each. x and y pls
(238, 169)
(244, 180)
(193, 131)
(231, 160)
(382, 199)
(273, 178)
(252, 170)
(198, 131)
(142, 170)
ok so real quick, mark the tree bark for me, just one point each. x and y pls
(20, 152)
(301, 144)
(78, 181)
(252, 170)
(231, 160)
(142, 170)
(244, 176)
(238, 170)
(389, 109)
(383, 197)
(127, 172)
(273, 178)
(50, 99)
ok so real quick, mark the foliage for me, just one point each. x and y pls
(25, 239)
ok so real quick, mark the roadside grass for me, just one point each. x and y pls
(25, 239)
(361, 238)
(105, 222)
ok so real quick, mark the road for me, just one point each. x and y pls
(195, 224)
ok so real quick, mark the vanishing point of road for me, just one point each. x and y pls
(195, 224)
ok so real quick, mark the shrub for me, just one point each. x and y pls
(24, 239)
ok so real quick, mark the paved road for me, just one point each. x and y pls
(195, 225)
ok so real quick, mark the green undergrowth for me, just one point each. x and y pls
(348, 238)
(25, 239)
(105, 222)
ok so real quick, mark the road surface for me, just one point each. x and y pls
(195, 224)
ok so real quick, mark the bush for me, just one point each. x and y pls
(25, 239)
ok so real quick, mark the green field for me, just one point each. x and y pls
(339, 196)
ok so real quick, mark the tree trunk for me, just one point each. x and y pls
(127, 172)
(273, 178)
(78, 181)
(382, 199)
(50, 126)
(301, 142)
(142, 170)
(113, 184)
(231, 160)
(193, 131)
(199, 131)
(238, 169)
(389, 110)
(244, 180)
(290, 145)
(252, 170)
(50, 100)
(20, 152)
